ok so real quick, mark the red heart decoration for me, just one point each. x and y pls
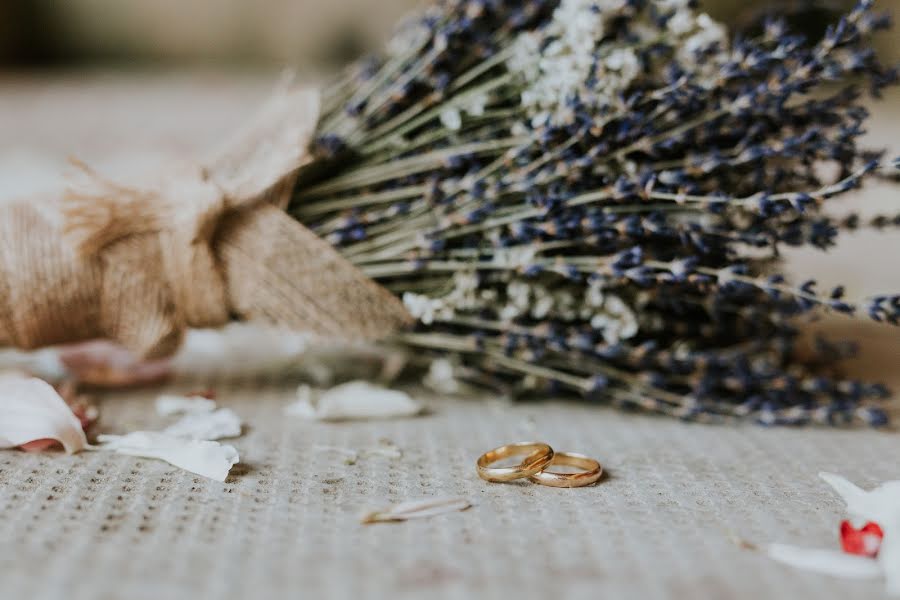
(865, 541)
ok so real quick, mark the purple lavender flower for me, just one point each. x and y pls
(590, 195)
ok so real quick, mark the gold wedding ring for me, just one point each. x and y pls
(537, 457)
(591, 474)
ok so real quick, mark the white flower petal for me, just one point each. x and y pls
(828, 562)
(205, 458)
(418, 509)
(216, 425)
(169, 404)
(880, 505)
(852, 494)
(354, 400)
(30, 409)
(441, 378)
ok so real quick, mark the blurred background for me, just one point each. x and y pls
(128, 85)
(247, 33)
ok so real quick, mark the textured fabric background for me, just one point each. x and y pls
(286, 523)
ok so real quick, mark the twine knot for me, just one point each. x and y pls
(198, 247)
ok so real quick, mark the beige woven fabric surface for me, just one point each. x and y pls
(286, 523)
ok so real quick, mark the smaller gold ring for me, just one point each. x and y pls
(591, 474)
(537, 457)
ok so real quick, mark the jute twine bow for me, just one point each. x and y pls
(199, 247)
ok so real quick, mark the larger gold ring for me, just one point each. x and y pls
(537, 457)
(591, 474)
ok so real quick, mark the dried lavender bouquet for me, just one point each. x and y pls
(590, 195)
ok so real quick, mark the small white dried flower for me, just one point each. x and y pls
(594, 296)
(681, 22)
(354, 400)
(441, 378)
(615, 319)
(706, 33)
(477, 104)
(409, 37)
(451, 118)
(542, 306)
(558, 61)
(515, 258)
(424, 308)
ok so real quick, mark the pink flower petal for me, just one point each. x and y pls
(32, 412)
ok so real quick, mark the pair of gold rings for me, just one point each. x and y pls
(537, 458)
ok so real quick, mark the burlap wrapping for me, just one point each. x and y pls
(198, 247)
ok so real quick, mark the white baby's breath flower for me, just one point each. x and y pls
(670, 5)
(518, 296)
(451, 118)
(463, 296)
(616, 320)
(524, 50)
(594, 296)
(558, 62)
(681, 22)
(425, 309)
(465, 282)
(477, 104)
(625, 62)
(410, 37)
(472, 104)
(515, 258)
(706, 33)
(542, 306)
(725, 276)
(564, 305)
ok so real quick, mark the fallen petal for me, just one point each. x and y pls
(853, 495)
(889, 557)
(441, 377)
(169, 404)
(828, 562)
(355, 400)
(216, 425)
(417, 509)
(39, 445)
(206, 458)
(31, 411)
